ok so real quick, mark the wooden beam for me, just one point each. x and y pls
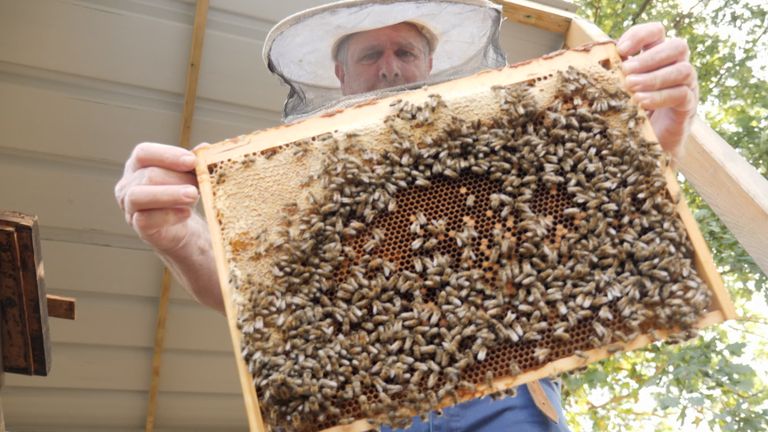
(535, 14)
(735, 190)
(581, 31)
(193, 71)
(157, 356)
(61, 307)
(564, 5)
(190, 95)
(2, 419)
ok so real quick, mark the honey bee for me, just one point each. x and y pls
(418, 319)
(541, 354)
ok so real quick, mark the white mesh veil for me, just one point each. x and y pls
(298, 49)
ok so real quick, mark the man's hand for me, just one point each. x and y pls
(663, 81)
(157, 193)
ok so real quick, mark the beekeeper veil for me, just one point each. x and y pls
(462, 36)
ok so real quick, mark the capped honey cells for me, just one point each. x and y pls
(464, 252)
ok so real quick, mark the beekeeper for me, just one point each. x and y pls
(341, 52)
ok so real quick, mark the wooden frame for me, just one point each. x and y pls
(369, 112)
(25, 306)
(577, 32)
(26, 347)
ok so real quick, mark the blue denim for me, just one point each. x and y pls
(519, 413)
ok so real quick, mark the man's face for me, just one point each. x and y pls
(382, 58)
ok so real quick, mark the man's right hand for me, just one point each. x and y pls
(157, 193)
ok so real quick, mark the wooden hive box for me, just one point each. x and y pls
(450, 242)
(26, 347)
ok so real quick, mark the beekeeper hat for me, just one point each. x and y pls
(462, 35)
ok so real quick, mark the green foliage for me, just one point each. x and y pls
(717, 381)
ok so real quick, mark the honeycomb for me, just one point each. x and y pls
(465, 251)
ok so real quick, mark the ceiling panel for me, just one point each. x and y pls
(98, 367)
(59, 36)
(184, 410)
(109, 320)
(62, 193)
(49, 407)
(67, 263)
(39, 408)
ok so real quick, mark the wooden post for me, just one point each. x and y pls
(581, 32)
(536, 14)
(193, 71)
(190, 95)
(157, 356)
(735, 190)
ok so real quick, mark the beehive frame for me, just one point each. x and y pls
(272, 140)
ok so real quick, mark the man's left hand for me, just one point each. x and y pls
(663, 81)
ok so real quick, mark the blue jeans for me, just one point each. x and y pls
(486, 415)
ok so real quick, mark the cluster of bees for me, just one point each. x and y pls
(475, 250)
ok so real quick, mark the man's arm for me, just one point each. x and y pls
(157, 193)
(664, 82)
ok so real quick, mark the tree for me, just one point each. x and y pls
(716, 381)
